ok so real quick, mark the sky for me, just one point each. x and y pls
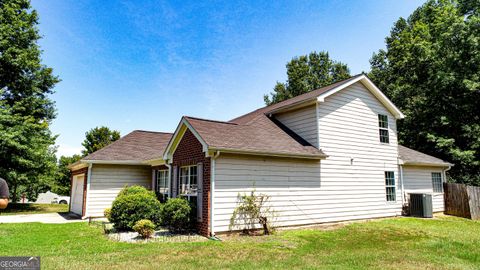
(142, 65)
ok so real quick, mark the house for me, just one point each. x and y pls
(325, 156)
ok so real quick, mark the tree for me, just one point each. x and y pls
(98, 138)
(26, 153)
(307, 73)
(431, 71)
(61, 184)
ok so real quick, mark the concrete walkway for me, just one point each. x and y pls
(42, 218)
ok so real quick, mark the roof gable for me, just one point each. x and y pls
(319, 95)
(262, 136)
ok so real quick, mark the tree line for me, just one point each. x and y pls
(429, 69)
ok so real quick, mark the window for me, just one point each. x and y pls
(383, 128)
(162, 182)
(390, 186)
(188, 181)
(437, 182)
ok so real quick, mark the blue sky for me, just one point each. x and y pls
(143, 64)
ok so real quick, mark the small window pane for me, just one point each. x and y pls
(384, 138)
(188, 180)
(382, 121)
(383, 128)
(390, 186)
(437, 182)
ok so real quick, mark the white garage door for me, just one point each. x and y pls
(77, 194)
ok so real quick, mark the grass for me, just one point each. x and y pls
(33, 208)
(407, 243)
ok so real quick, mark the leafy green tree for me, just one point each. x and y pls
(431, 71)
(307, 73)
(61, 183)
(26, 111)
(98, 138)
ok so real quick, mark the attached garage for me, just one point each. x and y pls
(99, 177)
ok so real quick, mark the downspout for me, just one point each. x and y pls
(169, 179)
(401, 184)
(212, 192)
(445, 173)
(89, 177)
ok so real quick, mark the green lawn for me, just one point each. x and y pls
(407, 243)
(33, 208)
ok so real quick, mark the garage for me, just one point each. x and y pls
(76, 200)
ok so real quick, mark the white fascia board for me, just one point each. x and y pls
(179, 132)
(195, 133)
(426, 164)
(270, 154)
(373, 89)
(155, 162)
(116, 162)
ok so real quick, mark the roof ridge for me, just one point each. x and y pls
(209, 120)
(309, 92)
(148, 131)
(107, 146)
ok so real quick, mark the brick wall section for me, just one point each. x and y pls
(74, 173)
(189, 152)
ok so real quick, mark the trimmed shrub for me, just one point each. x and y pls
(133, 204)
(129, 190)
(176, 214)
(107, 213)
(145, 228)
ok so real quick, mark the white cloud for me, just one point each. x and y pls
(68, 150)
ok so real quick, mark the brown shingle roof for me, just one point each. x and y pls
(260, 135)
(410, 156)
(289, 102)
(138, 145)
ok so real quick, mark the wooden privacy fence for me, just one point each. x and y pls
(462, 200)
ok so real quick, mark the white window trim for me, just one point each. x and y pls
(441, 182)
(188, 195)
(394, 186)
(383, 128)
(167, 182)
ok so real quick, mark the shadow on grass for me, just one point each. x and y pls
(34, 208)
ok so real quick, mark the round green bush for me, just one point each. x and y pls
(129, 190)
(176, 214)
(133, 204)
(145, 228)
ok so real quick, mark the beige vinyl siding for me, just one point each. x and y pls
(336, 189)
(419, 180)
(303, 122)
(357, 160)
(107, 180)
(297, 193)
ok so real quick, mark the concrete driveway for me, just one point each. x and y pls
(42, 218)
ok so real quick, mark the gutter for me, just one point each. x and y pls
(272, 154)
(212, 193)
(428, 164)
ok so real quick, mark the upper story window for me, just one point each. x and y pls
(437, 182)
(390, 186)
(383, 128)
(188, 180)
